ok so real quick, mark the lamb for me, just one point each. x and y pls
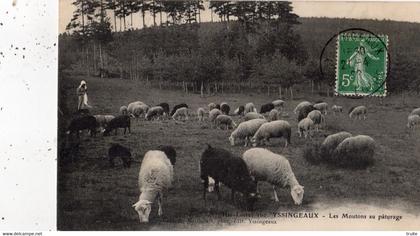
(117, 150)
(165, 107)
(81, 123)
(301, 105)
(337, 109)
(331, 142)
(273, 129)
(304, 111)
(317, 118)
(155, 176)
(246, 130)
(122, 121)
(183, 111)
(200, 113)
(239, 111)
(169, 152)
(305, 126)
(355, 151)
(123, 110)
(176, 107)
(103, 120)
(225, 120)
(154, 112)
(273, 115)
(413, 121)
(225, 108)
(231, 170)
(214, 114)
(265, 165)
(253, 115)
(266, 108)
(250, 107)
(322, 107)
(279, 104)
(415, 111)
(358, 111)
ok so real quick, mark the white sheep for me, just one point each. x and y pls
(211, 106)
(123, 110)
(305, 126)
(337, 109)
(246, 130)
(250, 107)
(183, 111)
(415, 111)
(137, 110)
(273, 115)
(331, 142)
(156, 111)
(300, 106)
(131, 105)
(103, 120)
(225, 120)
(213, 114)
(322, 107)
(358, 112)
(273, 129)
(354, 150)
(200, 113)
(253, 115)
(317, 118)
(155, 176)
(413, 121)
(275, 169)
(279, 104)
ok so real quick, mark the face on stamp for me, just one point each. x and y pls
(361, 65)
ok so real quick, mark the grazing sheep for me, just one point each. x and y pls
(253, 115)
(214, 114)
(265, 165)
(169, 152)
(301, 105)
(337, 109)
(317, 117)
(231, 170)
(413, 121)
(273, 115)
(224, 120)
(246, 130)
(122, 121)
(211, 106)
(183, 111)
(103, 120)
(273, 129)
(137, 110)
(305, 126)
(123, 110)
(239, 111)
(279, 104)
(322, 107)
(155, 177)
(81, 123)
(304, 111)
(134, 104)
(176, 107)
(331, 142)
(117, 150)
(200, 113)
(154, 112)
(355, 151)
(250, 107)
(358, 112)
(225, 108)
(415, 111)
(165, 107)
(266, 108)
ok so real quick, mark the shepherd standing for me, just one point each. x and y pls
(82, 95)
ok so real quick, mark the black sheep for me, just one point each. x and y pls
(304, 111)
(228, 169)
(225, 108)
(241, 110)
(266, 108)
(170, 153)
(218, 106)
(165, 107)
(176, 107)
(115, 151)
(122, 121)
(82, 123)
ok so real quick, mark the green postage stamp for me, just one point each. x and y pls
(361, 65)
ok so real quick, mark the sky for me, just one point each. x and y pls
(398, 11)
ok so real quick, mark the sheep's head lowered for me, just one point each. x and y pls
(143, 208)
(297, 194)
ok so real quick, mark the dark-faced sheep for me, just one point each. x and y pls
(169, 152)
(176, 107)
(119, 151)
(165, 107)
(239, 111)
(81, 123)
(122, 121)
(266, 108)
(225, 108)
(304, 111)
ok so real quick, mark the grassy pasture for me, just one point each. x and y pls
(93, 196)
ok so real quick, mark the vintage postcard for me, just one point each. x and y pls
(238, 115)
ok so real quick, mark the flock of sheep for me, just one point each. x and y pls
(217, 165)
